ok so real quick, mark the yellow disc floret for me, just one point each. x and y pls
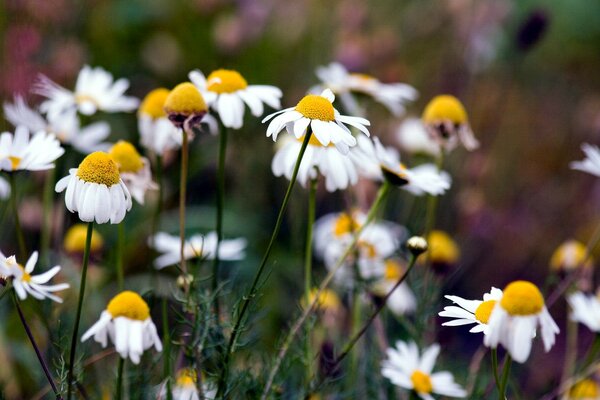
(15, 161)
(126, 156)
(345, 224)
(483, 312)
(185, 99)
(130, 305)
(316, 107)
(75, 237)
(186, 377)
(421, 382)
(100, 168)
(445, 108)
(328, 299)
(313, 141)
(522, 298)
(442, 248)
(586, 389)
(154, 103)
(225, 81)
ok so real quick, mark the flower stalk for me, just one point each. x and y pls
(219, 222)
(308, 266)
(15, 210)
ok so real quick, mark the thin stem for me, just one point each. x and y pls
(308, 267)
(47, 217)
(356, 314)
(505, 373)
(219, 228)
(167, 343)
(15, 208)
(158, 210)
(381, 195)
(119, 263)
(120, 378)
(253, 288)
(182, 194)
(571, 350)
(35, 347)
(494, 353)
(86, 256)
(593, 352)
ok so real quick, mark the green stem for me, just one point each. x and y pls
(251, 294)
(219, 228)
(312, 191)
(494, 353)
(356, 314)
(47, 217)
(120, 378)
(86, 256)
(119, 263)
(158, 210)
(505, 373)
(15, 208)
(167, 350)
(593, 352)
(182, 194)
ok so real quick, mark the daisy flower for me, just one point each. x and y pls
(22, 152)
(127, 322)
(402, 301)
(591, 163)
(226, 91)
(95, 190)
(185, 387)
(94, 91)
(197, 246)
(134, 169)
(443, 252)
(409, 370)
(339, 170)
(325, 122)
(25, 283)
(570, 255)
(185, 107)
(392, 95)
(586, 310)
(65, 126)
(412, 137)
(472, 311)
(585, 389)
(447, 123)
(4, 189)
(335, 227)
(75, 237)
(514, 320)
(157, 133)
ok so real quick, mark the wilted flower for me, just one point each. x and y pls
(413, 138)
(446, 121)
(185, 106)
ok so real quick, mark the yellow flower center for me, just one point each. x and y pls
(367, 249)
(15, 161)
(154, 102)
(75, 237)
(130, 305)
(126, 156)
(586, 389)
(345, 224)
(100, 168)
(225, 81)
(522, 298)
(482, 313)
(328, 299)
(421, 382)
(185, 99)
(442, 248)
(82, 98)
(26, 276)
(445, 108)
(186, 377)
(393, 270)
(313, 141)
(316, 107)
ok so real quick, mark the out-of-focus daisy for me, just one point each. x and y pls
(95, 190)
(65, 126)
(585, 389)
(443, 252)
(413, 138)
(379, 162)
(569, 256)
(409, 370)
(335, 227)
(185, 387)
(402, 301)
(4, 189)
(127, 322)
(515, 318)
(134, 169)
(21, 152)
(226, 91)
(586, 310)
(185, 106)
(35, 285)
(157, 133)
(392, 95)
(591, 163)
(328, 300)
(75, 237)
(203, 246)
(94, 91)
(325, 122)
(446, 121)
(472, 311)
(339, 170)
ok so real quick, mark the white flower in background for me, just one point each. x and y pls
(591, 163)
(157, 133)
(25, 283)
(22, 152)
(134, 169)
(226, 91)
(335, 227)
(472, 311)
(515, 318)
(571, 255)
(65, 126)
(446, 121)
(185, 387)
(405, 368)
(338, 169)
(402, 301)
(204, 246)
(95, 190)
(4, 189)
(127, 321)
(412, 137)
(379, 163)
(326, 123)
(94, 91)
(586, 310)
(392, 95)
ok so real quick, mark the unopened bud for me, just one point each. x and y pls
(184, 281)
(417, 245)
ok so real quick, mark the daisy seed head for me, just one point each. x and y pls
(421, 382)
(484, 310)
(130, 305)
(317, 107)
(126, 156)
(75, 237)
(225, 81)
(417, 245)
(154, 103)
(100, 168)
(184, 101)
(445, 108)
(522, 298)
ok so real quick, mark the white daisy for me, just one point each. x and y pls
(335, 227)
(4, 189)
(591, 163)
(134, 169)
(325, 122)
(392, 95)
(407, 369)
(571, 255)
(226, 91)
(95, 190)
(379, 162)
(157, 133)
(22, 152)
(185, 387)
(94, 91)
(402, 301)
(413, 138)
(514, 320)
(25, 283)
(447, 123)
(338, 169)
(472, 311)
(586, 310)
(127, 322)
(65, 126)
(197, 246)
